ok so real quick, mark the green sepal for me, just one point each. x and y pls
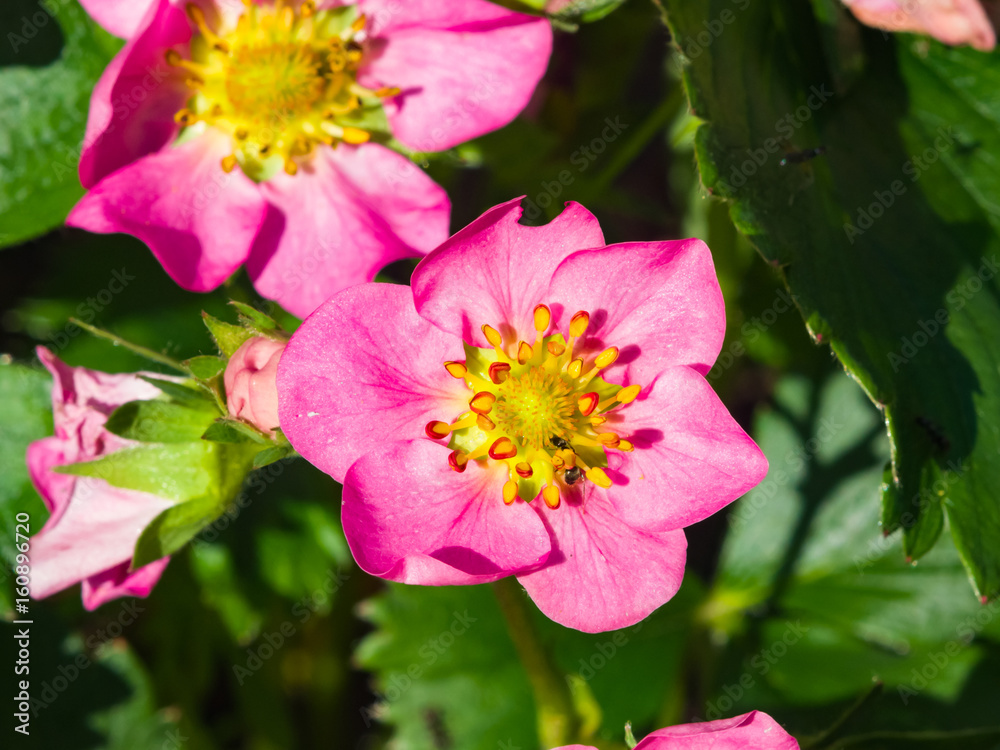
(205, 367)
(234, 431)
(227, 337)
(160, 421)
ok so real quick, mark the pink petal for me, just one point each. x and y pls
(658, 302)
(752, 731)
(495, 270)
(415, 45)
(602, 573)
(199, 221)
(950, 21)
(118, 581)
(409, 518)
(120, 17)
(691, 458)
(363, 370)
(345, 215)
(132, 107)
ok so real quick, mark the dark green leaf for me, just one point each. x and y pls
(227, 337)
(43, 111)
(159, 422)
(886, 238)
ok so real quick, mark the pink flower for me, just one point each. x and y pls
(567, 441)
(949, 21)
(753, 731)
(93, 527)
(251, 390)
(218, 143)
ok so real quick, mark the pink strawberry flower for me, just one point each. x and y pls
(534, 406)
(228, 133)
(753, 731)
(93, 527)
(950, 21)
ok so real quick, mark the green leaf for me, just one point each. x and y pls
(227, 337)
(159, 422)
(205, 367)
(234, 431)
(888, 239)
(43, 111)
(175, 527)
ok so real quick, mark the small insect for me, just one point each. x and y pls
(558, 442)
(573, 475)
(935, 433)
(798, 157)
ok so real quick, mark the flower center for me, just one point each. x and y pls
(538, 409)
(280, 82)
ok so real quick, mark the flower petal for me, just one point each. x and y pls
(691, 458)
(132, 107)
(363, 370)
(659, 302)
(409, 518)
(199, 221)
(602, 573)
(417, 47)
(118, 581)
(119, 17)
(344, 216)
(496, 270)
(752, 731)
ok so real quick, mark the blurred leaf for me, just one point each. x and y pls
(160, 421)
(43, 111)
(884, 270)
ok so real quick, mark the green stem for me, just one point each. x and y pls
(557, 720)
(140, 350)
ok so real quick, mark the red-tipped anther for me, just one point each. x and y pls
(482, 402)
(499, 372)
(555, 348)
(587, 403)
(523, 469)
(503, 448)
(437, 430)
(484, 423)
(543, 316)
(524, 352)
(458, 461)
(456, 369)
(578, 324)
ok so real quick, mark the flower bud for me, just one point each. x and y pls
(251, 391)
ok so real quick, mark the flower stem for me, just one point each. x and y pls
(557, 720)
(136, 348)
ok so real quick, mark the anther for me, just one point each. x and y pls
(550, 494)
(456, 369)
(503, 448)
(482, 402)
(587, 403)
(598, 477)
(437, 430)
(524, 352)
(457, 461)
(629, 394)
(499, 371)
(523, 469)
(509, 492)
(543, 317)
(578, 324)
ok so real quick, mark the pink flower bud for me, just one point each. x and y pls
(251, 392)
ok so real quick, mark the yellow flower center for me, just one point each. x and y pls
(280, 82)
(538, 409)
